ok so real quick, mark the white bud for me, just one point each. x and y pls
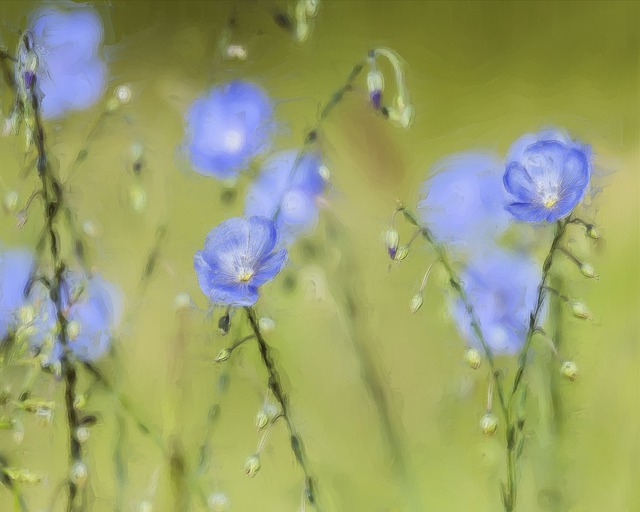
(588, 271)
(302, 31)
(489, 424)
(223, 355)
(375, 81)
(580, 310)
(392, 239)
(123, 94)
(324, 172)
(266, 324)
(182, 301)
(82, 434)
(403, 252)
(473, 358)
(252, 465)
(416, 302)
(236, 52)
(406, 116)
(10, 201)
(311, 7)
(569, 370)
(31, 61)
(90, 229)
(262, 420)
(218, 502)
(78, 474)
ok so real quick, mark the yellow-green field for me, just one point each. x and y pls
(479, 74)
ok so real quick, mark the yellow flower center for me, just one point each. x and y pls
(550, 201)
(245, 275)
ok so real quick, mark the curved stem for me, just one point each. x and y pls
(275, 385)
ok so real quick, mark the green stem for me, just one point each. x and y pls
(275, 385)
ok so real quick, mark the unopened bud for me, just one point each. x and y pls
(375, 81)
(21, 218)
(31, 61)
(27, 314)
(182, 301)
(302, 31)
(324, 172)
(592, 232)
(82, 434)
(406, 116)
(223, 355)
(10, 201)
(78, 474)
(392, 239)
(402, 253)
(416, 302)
(236, 52)
(472, 358)
(112, 105)
(588, 271)
(311, 7)
(80, 401)
(569, 370)
(138, 198)
(252, 465)
(73, 330)
(262, 420)
(580, 310)
(266, 324)
(123, 93)
(218, 502)
(489, 424)
(90, 229)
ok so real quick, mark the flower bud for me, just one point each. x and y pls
(375, 81)
(252, 465)
(10, 201)
(123, 94)
(592, 232)
(236, 52)
(472, 358)
(82, 434)
(138, 198)
(78, 474)
(406, 116)
(266, 324)
(31, 61)
(27, 314)
(416, 302)
(73, 330)
(403, 252)
(489, 424)
(218, 502)
(580, 310)
(90, 229)
(311, 7)
(392, 238)
(112, 105)
(569, 370)
(182, 301)
(262, 420)
(324, 172)
(588, 271)
(80, 401)
(223, 355)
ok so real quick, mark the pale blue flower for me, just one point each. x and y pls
(238, 257)
(547, 175)
(227, 128)
(287, 190)
(71, 73)
(502, 287)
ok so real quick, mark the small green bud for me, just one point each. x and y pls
(223, 355)
(416, 302)
(73, 330)
(252, 465)
(489, 424)
(10, 201)
(569, 370)
(78, 474)
(472, 358)
(580, 310)
(592, 232)
(80, 402)
(588, 271)
(403, 252)
(112, 105)
(262, 420)
(138, 198)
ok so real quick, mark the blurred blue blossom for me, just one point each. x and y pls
(502, 287)
(71, 73)
(93, 308)
(238, 257)
(288, 195)
(463, 202)
(227, 128)
(15, 271)
(547, 175)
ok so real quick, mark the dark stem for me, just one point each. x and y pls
(275, 385)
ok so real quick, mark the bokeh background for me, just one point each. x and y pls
(480, 74)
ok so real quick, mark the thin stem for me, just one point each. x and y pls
(275, 385)
(6, 480)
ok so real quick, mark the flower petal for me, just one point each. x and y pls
(518, 182)
(269, 268)
(528, 212)
(262, 237)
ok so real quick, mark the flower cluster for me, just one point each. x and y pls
(71, 74)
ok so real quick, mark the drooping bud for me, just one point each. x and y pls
(123, 94)
(588, 271)
(252, 465)
(78, 474)
(416, 302)
(472, 358)
(580, 310)
(262, 420)
(402, 253)
(223, 355)
(489, 424)
(569, 370)
(392, 239)
(82, 434)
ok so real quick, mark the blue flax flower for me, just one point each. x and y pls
(71, 74)
(93, 309)
(227, 128)
(463, 202)
(15, 271)
(502, 288)
(288, 195)
(238, 257)
(547, 175)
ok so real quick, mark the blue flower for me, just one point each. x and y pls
(93, 308)
(463, 202)
(227, 128)
(238, 257)
(502, 287)
(15, 270)
(290, 194)
(547, 175)
(71, 73)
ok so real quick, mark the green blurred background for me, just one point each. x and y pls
(479, 74)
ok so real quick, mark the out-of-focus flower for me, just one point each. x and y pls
(502, 288)
(547, 175)
(93, 308)
(227, 128)
(287, 190)
(463, 202)
(238, 257)
(71, 73)
(15, 270)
